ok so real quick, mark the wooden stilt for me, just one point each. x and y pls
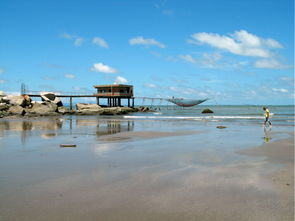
(71, 103)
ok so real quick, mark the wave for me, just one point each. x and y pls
(195, 118)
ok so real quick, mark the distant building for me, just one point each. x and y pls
(115, 93)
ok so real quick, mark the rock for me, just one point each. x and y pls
(221, 127)
(81, 106)
(15, 100)
(64, 110)
(16, 110)
(144, 109)
(207, 111)
(27, 101)
(3, 114)
(111, 111)
(46, 108)
(68, 145)
(106, 111)
(128, 109)
(4, 106)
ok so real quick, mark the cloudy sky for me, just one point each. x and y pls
(231, 51)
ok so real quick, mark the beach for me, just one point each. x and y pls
(173, 165)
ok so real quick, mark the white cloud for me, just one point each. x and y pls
(282, 90)
(120, 80)
(168, 12)
(270, 63)
(286, 78)
(78, 41)
(188, 58)
(146, 41)
(273, 43)
(206, 60)
(67, 36)
(150, 85)
(240, 43)
(2, 70)
(100, 67)
(70, 76)
(2, 81)
(100, 42)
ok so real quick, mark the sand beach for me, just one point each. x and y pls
(137, 168)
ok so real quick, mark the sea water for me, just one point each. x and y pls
(282, 115)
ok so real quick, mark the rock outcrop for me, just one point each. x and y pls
(23, 106)
(91, 107)
(65, 110)
(16, 110)
(45, 108)
(14, 100)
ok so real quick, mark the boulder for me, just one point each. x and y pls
(82, 106)
(221, 127)
(64, 110)
(3, 114)
(15, 100)
(207, 111)
(111, 111)
(143, 109)
(46, 108)
(4, 106)
(27, 101)
(16, 110)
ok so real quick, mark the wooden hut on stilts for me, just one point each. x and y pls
(114, 94)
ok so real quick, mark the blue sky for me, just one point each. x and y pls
(231, 51)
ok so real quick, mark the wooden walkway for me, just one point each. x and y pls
(113, 101)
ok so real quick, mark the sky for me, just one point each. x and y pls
(232, 51)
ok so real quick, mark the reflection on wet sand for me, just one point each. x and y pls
(26, 126)
(48, 128)
(113, 127)
(267, 134)
(162, 172)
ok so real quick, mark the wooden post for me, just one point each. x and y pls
(71, 103)
(132, 102)
(128, 102)
(97, 100)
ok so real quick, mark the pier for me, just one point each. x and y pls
(113, 93)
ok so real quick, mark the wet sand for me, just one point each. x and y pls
(135, 174)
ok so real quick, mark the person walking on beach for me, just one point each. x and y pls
(266, 114)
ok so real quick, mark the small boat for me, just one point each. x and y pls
(185, 102)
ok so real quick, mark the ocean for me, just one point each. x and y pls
(245, 113)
